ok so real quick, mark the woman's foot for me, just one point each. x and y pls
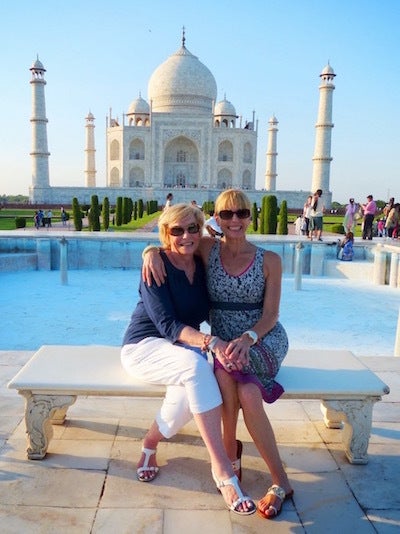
(234, 498)
(147, 469)
(270, 505)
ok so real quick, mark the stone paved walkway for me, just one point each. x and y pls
(87, 482)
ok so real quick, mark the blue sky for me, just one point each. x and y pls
(266, 55)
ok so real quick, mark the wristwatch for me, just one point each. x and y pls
(252, 335)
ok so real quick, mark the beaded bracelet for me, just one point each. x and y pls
(209, 343)
(213, 342)
(206, 341)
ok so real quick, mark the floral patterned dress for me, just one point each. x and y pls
(236, 306)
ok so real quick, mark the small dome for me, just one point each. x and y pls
(37, 65)
(90, 116)
(139, 106)
(182, 83)
(327, 71)
(273, 120)
(224, 107)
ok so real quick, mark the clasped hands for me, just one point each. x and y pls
(233, 355)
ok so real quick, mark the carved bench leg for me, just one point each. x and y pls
(39, 410)
(357, 421)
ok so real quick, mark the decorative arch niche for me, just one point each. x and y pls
(181, 163)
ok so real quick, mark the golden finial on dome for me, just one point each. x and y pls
(183, 36)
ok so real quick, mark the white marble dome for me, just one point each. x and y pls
(327, 71)
(182, 84)
(225, 108)
(139, 106)
(37, 65)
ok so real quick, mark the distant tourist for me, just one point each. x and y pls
(369, 210)
(346, 252)
(307, 214)
(168, 202)
(63, 216)
(49, 216)
(392, 222)
(299, 224)
(349, 220)
(317, 212)
(212, 226)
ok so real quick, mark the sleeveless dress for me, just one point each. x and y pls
(236, 306)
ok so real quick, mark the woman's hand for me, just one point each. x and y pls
(234, 356)
(153, 268)
(238, 350)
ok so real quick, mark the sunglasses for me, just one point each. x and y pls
(226, 215)
(179, 230)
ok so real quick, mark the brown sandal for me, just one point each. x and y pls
(237, 464)
(278, 492)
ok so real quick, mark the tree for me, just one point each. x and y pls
(255, 216)
(118, 212)
(269, 214)
(77, 214)
(283, 219)
(106, 213)
(94, 214)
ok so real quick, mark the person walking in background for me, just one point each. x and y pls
(381, 227)
(212, 227)
(349, 220)
(307, 214)
(388, 207)
(299, 224)
(317, 213)
(392, 222)
(168, 202)
(369, 210)
(63, 216)
(49, 216)
(36, 220)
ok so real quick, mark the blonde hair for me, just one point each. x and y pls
(173, 216)
(232, 198)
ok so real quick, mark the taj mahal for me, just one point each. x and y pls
(180, 140)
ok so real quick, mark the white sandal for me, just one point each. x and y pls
(234, 507)
(146, 467)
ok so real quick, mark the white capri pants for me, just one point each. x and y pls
(191, 385)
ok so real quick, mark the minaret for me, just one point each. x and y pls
(270, 167)
(322, 153)
(90, 164)
(40, 154)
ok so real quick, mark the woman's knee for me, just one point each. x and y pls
(249, 395)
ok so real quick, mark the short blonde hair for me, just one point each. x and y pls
(174, 215)
(232, 198)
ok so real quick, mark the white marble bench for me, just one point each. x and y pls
(56, 375)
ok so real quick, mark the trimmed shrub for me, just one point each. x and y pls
(140, 208)
(106, 213)
(94, 214)
(283, 219)
(118, 212)
(77, 214)
(255, 217)
(337, 229)
(269, 215)
(20, 222)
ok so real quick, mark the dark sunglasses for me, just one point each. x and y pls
(226, 215)
(179, 230)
